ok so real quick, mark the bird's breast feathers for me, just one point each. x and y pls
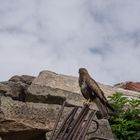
(83, 85)
(85, 88)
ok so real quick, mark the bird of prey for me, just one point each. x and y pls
(92, 92)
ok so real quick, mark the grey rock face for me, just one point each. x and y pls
(26, 79)
(31, 121)
(42, 98)
(58, 81)
(22, 121)
(16, 87)
(4, 88)
(53, 88)
(37, 93)
(104, 130)
(70, 84)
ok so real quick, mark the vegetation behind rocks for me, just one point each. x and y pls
(125, 123)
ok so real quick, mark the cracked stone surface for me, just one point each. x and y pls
(31, 116)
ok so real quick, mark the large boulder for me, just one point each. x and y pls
(104, 130)
(53, 88)
(30, 121)
(20, 121)
(4, 88)
(16, 87)
(26, 79)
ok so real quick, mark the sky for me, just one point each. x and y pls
(62, 36)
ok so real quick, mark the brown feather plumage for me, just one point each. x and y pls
(91, 90)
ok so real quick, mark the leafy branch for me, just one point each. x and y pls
(126, 121)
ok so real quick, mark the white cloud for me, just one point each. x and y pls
(65, 35)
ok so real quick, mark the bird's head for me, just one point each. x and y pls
(83, 71)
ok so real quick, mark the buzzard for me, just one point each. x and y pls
(92, 92)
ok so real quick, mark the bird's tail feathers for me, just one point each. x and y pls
(102, 108)
(110, 107)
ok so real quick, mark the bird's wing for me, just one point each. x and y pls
(96, 89)
(92, 84)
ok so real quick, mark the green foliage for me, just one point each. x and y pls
(125, 122)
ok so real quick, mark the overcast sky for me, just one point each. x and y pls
(101, 35)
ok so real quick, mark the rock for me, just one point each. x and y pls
(103, 131)
(4, 88)
(16, 87)
(134, 86)
(43, 94)
(24, 79)
(30, 121)
(42, 98)
(53, 88)
(16, 90)
(20, 121)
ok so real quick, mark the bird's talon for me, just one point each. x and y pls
(87, 102)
